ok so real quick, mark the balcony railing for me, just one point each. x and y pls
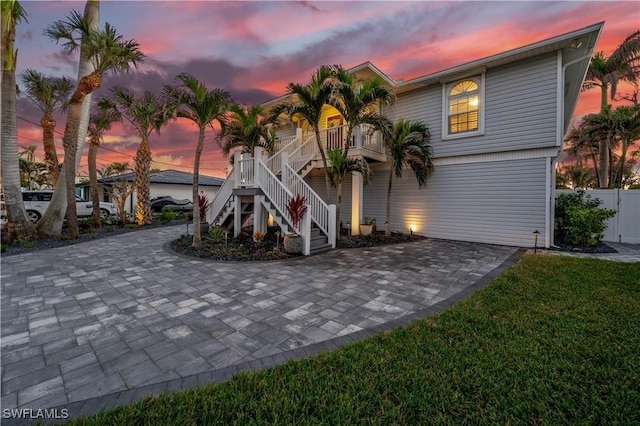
(362, 137)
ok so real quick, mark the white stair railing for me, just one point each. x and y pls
(283, 145)
(305, 152)
(222, 197)
(322, 214)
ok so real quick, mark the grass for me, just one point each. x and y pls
(554, 340)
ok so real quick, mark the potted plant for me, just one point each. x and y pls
(368, 226)
(296, 208)
(203, 206)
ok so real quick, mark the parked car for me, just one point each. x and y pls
(167, 202)
(36, 202)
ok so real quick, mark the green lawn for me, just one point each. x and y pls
(554, 340)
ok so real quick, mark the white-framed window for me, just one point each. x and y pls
(463, 112)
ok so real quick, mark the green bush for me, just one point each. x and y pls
(216, 234)
(580, 220)
(166, 216)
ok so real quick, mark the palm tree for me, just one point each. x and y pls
(98, 124)
(146, 114)
(107, 50)
(247, 128)
(49, 94)
(119, 189)
(308, 104)
(409, 145)
(19, 226)
(606, 72)
(580, 143)
(202, 106)
(357, 101)
(341, 166)
(628, 129)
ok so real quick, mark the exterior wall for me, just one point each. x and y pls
(289, 130)
(520, 110)
(315, 179)
(176, 191)
(490, 202)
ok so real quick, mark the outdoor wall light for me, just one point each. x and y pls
(535, 241)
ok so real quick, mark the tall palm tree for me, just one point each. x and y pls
(307, 106)
(409, 144)
(341, 166)
(18, 226)
(107, 51)
(606, 72)
(357, 102)
(146, 114)
(49, 94)
(247, 128)
(99, 123)
(202, 106)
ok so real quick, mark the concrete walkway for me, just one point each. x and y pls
(104, 323)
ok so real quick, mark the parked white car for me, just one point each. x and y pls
(36, 202)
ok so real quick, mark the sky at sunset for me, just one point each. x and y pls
(254, 49)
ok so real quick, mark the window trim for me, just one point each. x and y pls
(446, 89)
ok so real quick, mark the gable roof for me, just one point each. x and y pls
(168, 177)
(576, 46)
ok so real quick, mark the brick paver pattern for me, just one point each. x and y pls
(124, 314)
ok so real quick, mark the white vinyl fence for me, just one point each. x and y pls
(624, 227)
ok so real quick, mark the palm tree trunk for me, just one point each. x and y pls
(86, 85)
(197, 238)
(323, 154)
(604, 163)
(50, 155)
(143, 166)
(595, 166)
(623, 159)
(338, 206)
(51, 221)
(93, 181)
(19, 226)
(387, 227)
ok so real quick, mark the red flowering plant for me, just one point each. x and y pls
(296, 206)
(203, 205)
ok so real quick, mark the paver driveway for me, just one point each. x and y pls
(108, 321)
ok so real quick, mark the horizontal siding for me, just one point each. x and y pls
(286, 131)
(315, 179)
(492, 202)
(520, 110)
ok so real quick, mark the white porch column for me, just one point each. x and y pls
(259, 214)
(356, 202)
(237, 216)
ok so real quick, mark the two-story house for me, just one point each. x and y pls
(497, 126)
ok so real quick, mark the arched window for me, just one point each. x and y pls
(463, 107)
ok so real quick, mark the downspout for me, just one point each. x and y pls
(551, 161)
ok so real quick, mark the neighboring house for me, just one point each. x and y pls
(173, 183)
(497, 127)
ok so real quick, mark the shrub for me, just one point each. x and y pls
(258, 236)
(203, 206)
(216, 234)
(296, 208)
(166, 216)
(580, 220)
(110, 228)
